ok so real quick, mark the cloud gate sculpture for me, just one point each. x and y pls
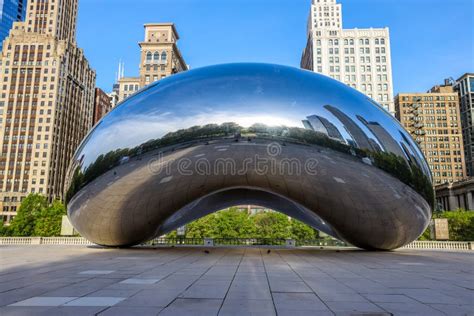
(283, 138)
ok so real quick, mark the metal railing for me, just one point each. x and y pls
(322, 243)
(427, 245)
(249, 242)
(175, 241)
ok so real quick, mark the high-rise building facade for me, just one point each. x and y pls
(102, 104)
(159, 58)
(465, 88)
(46, 102)
(359, 58)
(433, 119)
(10, 11)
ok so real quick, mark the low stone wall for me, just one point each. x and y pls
(433, 245)
(448, 245)
(44, 241)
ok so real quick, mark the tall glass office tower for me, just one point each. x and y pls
(10, 11)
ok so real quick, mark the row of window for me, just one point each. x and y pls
(156, 56)
(335, 42)
(130, 87)
(428, 98)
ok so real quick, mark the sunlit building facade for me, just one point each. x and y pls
(46, 103)
(159, 58)
(433, 119)
(360, 58)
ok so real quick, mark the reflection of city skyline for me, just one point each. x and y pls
(388, 143)
(322, 125)
(359, 138)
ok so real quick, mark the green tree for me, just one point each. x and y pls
(24, 222)
(301, 231)
(4, 230)
(233, 223)
(272, 225)
(460, 225)
(201, 228)
(48, 221)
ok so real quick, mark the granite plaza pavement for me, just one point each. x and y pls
(89, 280)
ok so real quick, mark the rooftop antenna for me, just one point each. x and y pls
(119, 70)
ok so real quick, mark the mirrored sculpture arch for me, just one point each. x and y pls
(288, 139)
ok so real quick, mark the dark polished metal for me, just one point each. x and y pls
(283, 138)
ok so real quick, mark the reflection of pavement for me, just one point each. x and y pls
(75, 280)
(360, 202)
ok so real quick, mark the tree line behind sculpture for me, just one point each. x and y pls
(37, 217)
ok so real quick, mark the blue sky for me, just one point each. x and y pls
(430, 39)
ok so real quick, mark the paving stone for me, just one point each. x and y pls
(186, 281)
(289, 286)
(72, 311)
(127, 311)
(205, 291)
(239, 307)
(139, 281)
(151, 298)
(115, 293)
(44, 301)
(454, 310)
(193, 306)
(23, 311)
(413, 308)
(389, 298)
(95, 301)
(354, 307)
(298, 302)
(94, 272)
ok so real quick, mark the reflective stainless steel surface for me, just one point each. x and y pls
(280, 137)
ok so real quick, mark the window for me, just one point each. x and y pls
(156, 56)
(163, 56)
(148, 56)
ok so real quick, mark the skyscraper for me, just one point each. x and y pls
(159, 58)
(359, 58)
(10, 11)
(465, 88)
(46, 102)
(433, 120)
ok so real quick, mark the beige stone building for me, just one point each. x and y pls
(433, 119)
(159, 58)
(360, 58)
(46, 102)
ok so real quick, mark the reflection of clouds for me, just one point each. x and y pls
(135, 130)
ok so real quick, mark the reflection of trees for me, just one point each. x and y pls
(409, 174)
(398, 167)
